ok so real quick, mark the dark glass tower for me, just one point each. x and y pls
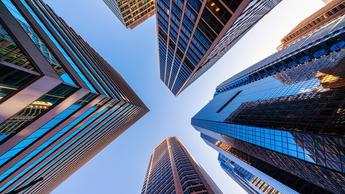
(60, 101)
(173, 170)
(283, 118)
(194, 34)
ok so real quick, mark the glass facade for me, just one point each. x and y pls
(62, 122)
(12, 54)
(38, 42)
(194, 34)
(34, 110)
(323, 16)
(56, 158)
(286, 112)
(173, 170)
(47, 127)
(249, 182)
(77, 57)
(131, 13)
(162, 171)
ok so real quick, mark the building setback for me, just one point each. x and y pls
(282, 119)
(173, 170)
(249, 182)
(194, 34)
(60, 101)
(131, 12)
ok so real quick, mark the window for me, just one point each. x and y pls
(34, 110)
(10, 52)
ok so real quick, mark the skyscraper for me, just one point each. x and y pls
(193, 35)
(131, 13)
(282, 119)
(60, 101)
(173, 170)
(333, 10)
(327, 1)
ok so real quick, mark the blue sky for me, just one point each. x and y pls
(120, 168)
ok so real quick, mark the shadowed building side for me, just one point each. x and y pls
(194, 35)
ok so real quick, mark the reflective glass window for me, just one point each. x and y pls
(46, 128)
(33, 111)
(10, 52)
(38, 42)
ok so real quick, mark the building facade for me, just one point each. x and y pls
(173, 170)
(60, 101)
(333, 10)
(283, 118)
(131, 12)
(193, 35)
(327, 1)
(249, 182)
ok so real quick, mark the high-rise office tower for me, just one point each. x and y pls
(131, 12)
(327, 1)
(60, 101)
(323, 16)
(283, 118)
(173, 170)
(194, 34)
(249, 182)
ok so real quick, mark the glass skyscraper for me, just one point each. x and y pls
(173, 170)
(194, 34)
(131, 12)
(283, 118)
(60, 101)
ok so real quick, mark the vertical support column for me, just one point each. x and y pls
(177, 181)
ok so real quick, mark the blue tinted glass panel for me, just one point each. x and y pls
(39, 43)
(62, 144)
(40, 132)
(70, 49)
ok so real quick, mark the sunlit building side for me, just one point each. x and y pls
(332, 11)
(131, 13)
(172, 169)
(60, 102)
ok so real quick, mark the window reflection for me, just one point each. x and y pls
(10, 52)
(38, 42)
(12, 80)
(14, 124)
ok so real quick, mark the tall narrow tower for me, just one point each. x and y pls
(173, 170)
